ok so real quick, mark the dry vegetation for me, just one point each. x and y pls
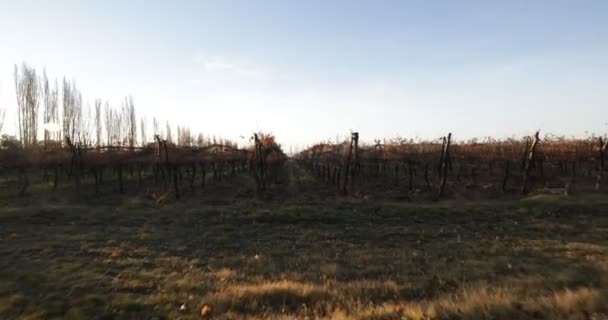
(85, 144)
(304, 254)
(343, 231)
(471, 169)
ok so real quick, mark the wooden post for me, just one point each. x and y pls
(95, 176)
(528, 163)
(334, 176)
(474, 174)
(220, 170)
(338, 177)
(396, 174)
(193, 177)
(156, 167)
(348, 159)
(602, 154)
(445, 165)
(140, 175)
(167, 176)
(426, 175)
(260, 173)
(357, 161)
(378, 155)
(505, 180)
(525, 157)
(56, 179)
(166, 152)
(175, 180)
(440, 164)
(78, 166)
(203, 174)
(23, 178)
(410, 170)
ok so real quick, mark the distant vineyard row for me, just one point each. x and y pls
(68, 142)
(439, 167)
(163, 166)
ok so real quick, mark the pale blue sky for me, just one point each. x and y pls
(311, 70)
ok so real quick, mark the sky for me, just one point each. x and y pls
(318, 69)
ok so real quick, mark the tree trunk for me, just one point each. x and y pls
(529, 160)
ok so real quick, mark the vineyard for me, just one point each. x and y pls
(303, 160)
(101, 219)
(68, 143)
(404, 168)
(83, 146)
(163, 166)
(436, 169)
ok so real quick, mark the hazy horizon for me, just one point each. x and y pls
(309, 72)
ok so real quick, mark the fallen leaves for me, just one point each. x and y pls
(206, 311)
(162, 199)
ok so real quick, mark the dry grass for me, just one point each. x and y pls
(287, 298)
(545, 257)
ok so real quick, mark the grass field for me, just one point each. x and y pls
(313, 256)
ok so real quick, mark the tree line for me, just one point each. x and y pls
(65, 119)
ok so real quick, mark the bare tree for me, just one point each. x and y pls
(51, 110)
(200, 140)
(85, 126)
(184, 137)
(77, 126)
(122, 120)
(72, 111)
(168, 136)
(98, 123)
(179, 136)
(109, 117)
(120, 127)
(27, 89)
(155, 126)
(130, 121)
(116, 126)
(2, 114)
(142, 127)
